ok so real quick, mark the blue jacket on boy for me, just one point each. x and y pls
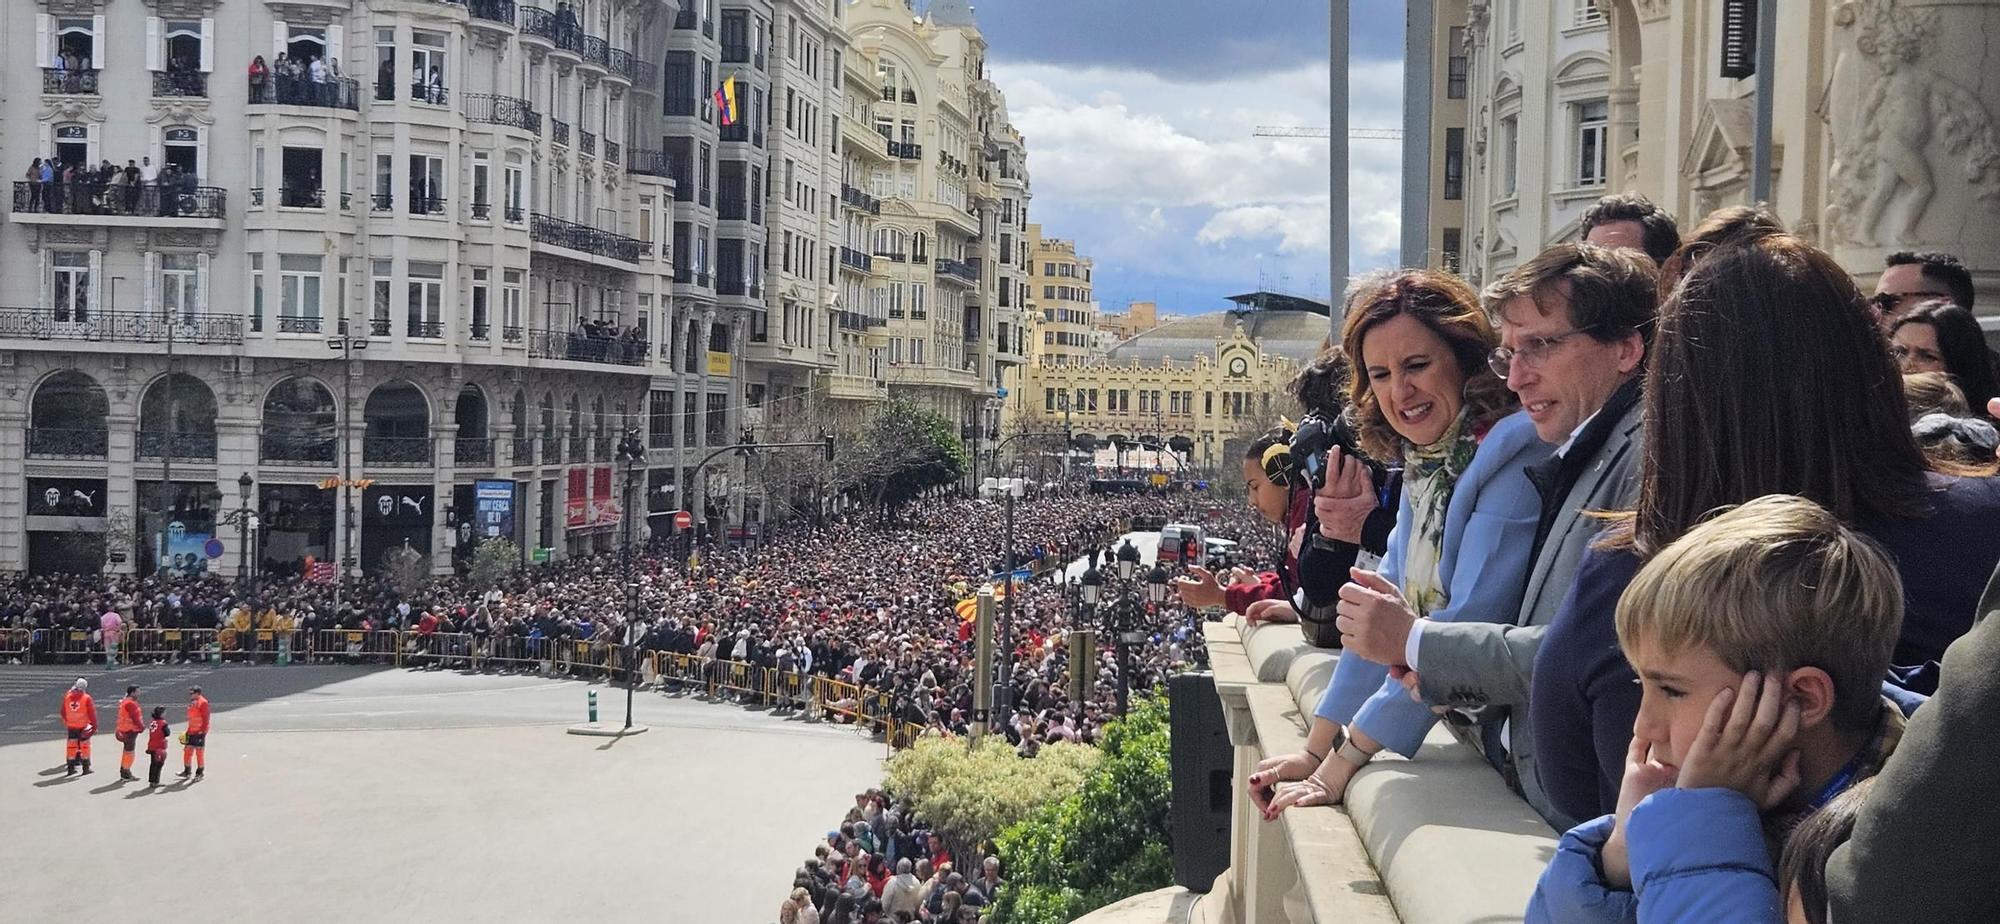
(1698, 855)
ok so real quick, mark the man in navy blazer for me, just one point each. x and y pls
(1574, 324)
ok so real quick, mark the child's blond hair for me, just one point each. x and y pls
(1773, 585)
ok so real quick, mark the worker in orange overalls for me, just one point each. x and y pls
(196, 740)
(130, 723)
(79, 714)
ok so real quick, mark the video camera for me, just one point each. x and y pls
(1317, 434)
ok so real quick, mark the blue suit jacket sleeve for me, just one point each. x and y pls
(1572, 890)
(1699, 855)
(1485, 564)
(1355, 679)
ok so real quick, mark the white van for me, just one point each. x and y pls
(1180, 541)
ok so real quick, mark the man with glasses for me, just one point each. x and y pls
(1575, 324)
(1910, 278)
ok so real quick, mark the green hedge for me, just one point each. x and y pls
(1106, 842)
(970, 795)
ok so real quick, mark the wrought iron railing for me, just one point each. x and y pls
(597, 51)
(736, 131)
(482, 211)
(587, 142)
(295, 197)
(192, 447)
(119, 326)
(502, 110)
(648, 162)
(538, 22)
(511, 333)
(856, 259)
(622, 64)
(612, 152)
(646, 74)
(382, 202)
(524, 450)
(860, 200)
(426, 330)
(552, 230)
(180, 84)
(600, 449)
(479, 330)
(298, 325)
(333, 93)
(426, 205)
(76, 82)
(412, 451)
(472, 450)
(68, 443)
(491, 10)
(958, 268)
(686, 18)
(516, 214)
(566, 345)
(296, 448)
(559, 132)
(906, 150)
(552, 448)
(95, 199)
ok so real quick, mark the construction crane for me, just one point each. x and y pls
(1361, 134)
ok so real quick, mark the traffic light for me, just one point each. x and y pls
(1082, 664)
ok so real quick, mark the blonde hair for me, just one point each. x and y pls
(1775, 584)
(1933, 393)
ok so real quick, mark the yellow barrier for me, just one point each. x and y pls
(14, 643)
(167, 644)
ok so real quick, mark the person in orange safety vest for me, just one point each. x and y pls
(79, 715)
(130, 723)
(193, 750)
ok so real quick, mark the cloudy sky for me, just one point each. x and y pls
(1139, 117)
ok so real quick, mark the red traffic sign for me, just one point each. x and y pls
(683, 519)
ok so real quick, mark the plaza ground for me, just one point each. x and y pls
(338, 793)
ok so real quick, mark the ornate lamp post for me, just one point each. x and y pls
(631, 452)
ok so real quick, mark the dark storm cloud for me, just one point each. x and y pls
(1185, 40)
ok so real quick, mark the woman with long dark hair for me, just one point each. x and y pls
(1938, 336)
(1768, 376)
(1424, 394)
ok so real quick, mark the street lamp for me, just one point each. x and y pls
(1011, 489)
(348, 345)
(243, 562)
(632, 453)
(1128, 560)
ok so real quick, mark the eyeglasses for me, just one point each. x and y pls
(1533, 350)
(1887, 302)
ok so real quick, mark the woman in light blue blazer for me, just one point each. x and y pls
(1423, 394)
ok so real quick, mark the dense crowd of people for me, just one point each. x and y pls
(78, 188)
(882, 867)
(1687, 536)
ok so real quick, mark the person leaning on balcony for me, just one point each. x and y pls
(1574, 327)
(1460, 546)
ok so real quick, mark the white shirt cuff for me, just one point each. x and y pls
(1410, 647)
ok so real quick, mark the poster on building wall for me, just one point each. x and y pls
(495, 501)
(576, 508)
(605, 508)
(184, 555)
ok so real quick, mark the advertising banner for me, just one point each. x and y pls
(495, 509)
(605, 509)
(185, 554)
(576, 509)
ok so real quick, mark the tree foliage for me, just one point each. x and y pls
(970, 795)
(407, 569)
(492, 562)
(1106, 842)
(907, 449)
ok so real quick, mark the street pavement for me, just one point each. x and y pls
(336, 792)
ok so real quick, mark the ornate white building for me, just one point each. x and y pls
(1537, 112)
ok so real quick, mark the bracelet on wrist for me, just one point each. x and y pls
(1353, 754)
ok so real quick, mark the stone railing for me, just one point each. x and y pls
(1438, 839)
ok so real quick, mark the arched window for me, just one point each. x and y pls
(299, 423)
(66, 418)
(178, 410)
(397, 422)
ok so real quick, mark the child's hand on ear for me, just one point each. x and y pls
(1746, 743)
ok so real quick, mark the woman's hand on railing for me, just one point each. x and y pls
(1271, 771)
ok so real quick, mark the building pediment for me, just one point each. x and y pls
(1720, 146)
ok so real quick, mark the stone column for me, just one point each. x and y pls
(444, 441)
(14, 504)
(698, 493)
(121, 492)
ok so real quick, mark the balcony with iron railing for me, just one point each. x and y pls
(332, 93)
(549, 229)
(596, 51)
(524, 450)
(379, 327)
(396, 451)
(472, 450)
(119, 326)
(298, 324)
(482, 211)
(502, 110)
(187, 447)
(559, 132)
(906, 150)
(68, 443)
(855, 259)
(425, 330)
(536, 22)
(735, 53)
(959, 269)
(622, 64)
(647, 162)
(283, 448)
(552, 448)
(860, 200)
(435, 94)
(118, 206)
(645, 74)
(180, 84)
(612, 152)
(586, 141)
(501, 11)
(69, 82)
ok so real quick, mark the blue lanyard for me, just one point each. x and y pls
(1838, 784)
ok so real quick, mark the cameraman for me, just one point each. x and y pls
(1354, 498)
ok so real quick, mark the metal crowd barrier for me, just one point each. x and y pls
(14, 643)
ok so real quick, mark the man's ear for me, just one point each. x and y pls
(1812, 688)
